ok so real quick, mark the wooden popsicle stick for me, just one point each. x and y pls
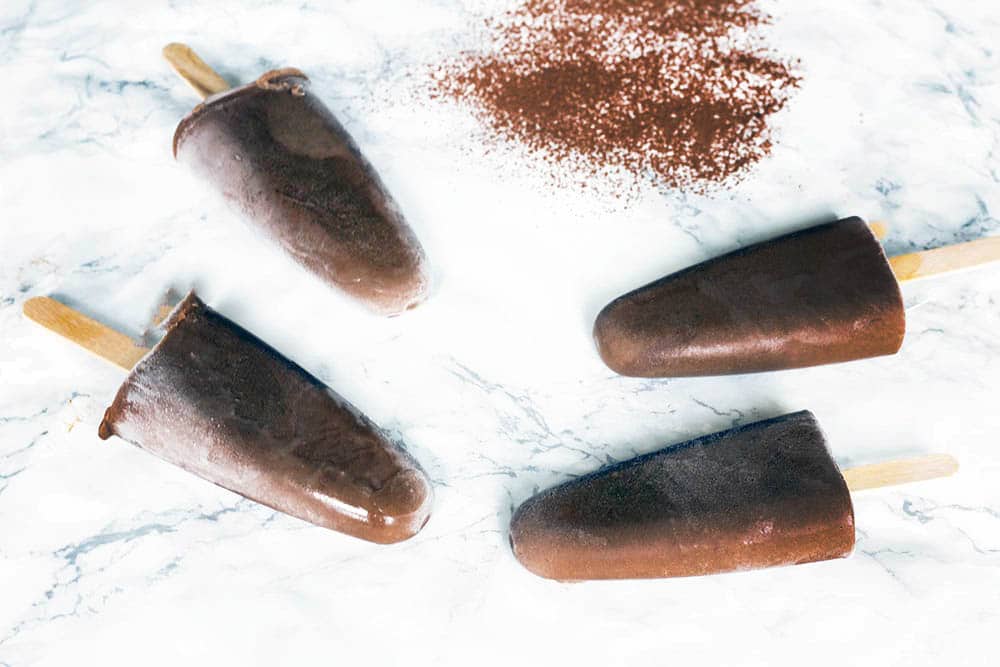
(89, 334)
(903, 471)
(879, 229)
(161, 314)
(205, 80)
(943, 260)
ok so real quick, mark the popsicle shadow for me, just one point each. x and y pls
(970, 231)
(85, 307)
(236, 78)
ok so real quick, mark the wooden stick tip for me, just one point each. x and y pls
(33, 302)
(949, 464)
(37, 304)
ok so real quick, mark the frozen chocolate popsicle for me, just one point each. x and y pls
(277, 154)
(215, 400)
(758, 496)
(821, 295)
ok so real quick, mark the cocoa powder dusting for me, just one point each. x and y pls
(679, 92)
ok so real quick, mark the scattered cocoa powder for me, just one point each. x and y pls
(676, 91)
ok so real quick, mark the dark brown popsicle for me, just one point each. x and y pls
(275, 151)
(761, 495)
(215, 400)
(818, 296)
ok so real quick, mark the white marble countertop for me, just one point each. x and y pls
(109, 556)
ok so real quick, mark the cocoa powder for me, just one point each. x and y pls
(675, 91)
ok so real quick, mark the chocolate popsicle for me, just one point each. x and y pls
(276, 153)
(215, 400)
(761, 495)
(821, 295)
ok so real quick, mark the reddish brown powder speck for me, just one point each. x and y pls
(679, 92)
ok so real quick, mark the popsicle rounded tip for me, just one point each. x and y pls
(618, 344)
(403, 507)
(412, 299)
(527, 539)
(406, 293)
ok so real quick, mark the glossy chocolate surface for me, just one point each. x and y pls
(220, 403)
(761, 495)
(821, 295)
(281, 158)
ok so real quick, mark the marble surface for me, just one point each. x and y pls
(109, 556)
